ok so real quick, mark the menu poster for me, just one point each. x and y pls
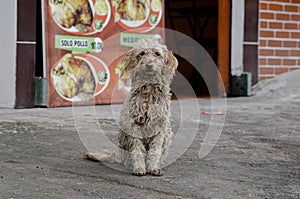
(84, 41)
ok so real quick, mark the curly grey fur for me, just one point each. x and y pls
(145, 133)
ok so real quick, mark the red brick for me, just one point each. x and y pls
(266, 15)
(295, 17)
(295, 53)
(281, 70)
(275, 7)
(283, 34)
(274, 43)
(265, 33)
(289, 44)
(274, 62)
(291, 8)
(289, 62)
(266, 70)
(295, 1)
(263, 6)
(287, 1)
(265, 52)
(262, 61)
(275, 25)
(264, 78)
(263, 24)
(290, 26)
(264, 43)
(281, 53)
(294, 68)
(295, 35)
(282, 16)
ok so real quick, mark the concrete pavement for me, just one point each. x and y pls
(256, 156)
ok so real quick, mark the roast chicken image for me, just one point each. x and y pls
(132, 10)
(73, 77)
(73, 13)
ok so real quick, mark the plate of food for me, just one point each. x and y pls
(81, 17)
(75, 77)
(137, 13)
(123, 78)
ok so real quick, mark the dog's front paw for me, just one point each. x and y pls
(139, 171)
(156, 172)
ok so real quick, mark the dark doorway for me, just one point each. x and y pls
(197, 19)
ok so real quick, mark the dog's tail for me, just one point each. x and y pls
(112, 156)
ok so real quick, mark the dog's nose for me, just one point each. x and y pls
(149, 66)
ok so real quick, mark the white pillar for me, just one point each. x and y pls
(8, 39)
(237, 36)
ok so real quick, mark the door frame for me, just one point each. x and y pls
(224, 15)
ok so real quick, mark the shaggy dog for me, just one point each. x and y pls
(145, 132)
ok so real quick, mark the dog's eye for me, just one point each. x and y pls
(157, 54)
(139, 56)
(142, 54)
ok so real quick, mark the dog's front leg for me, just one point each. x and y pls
(138, 158)
(154, 155)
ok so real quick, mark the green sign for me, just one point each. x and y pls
(78, 44)
(130, 39)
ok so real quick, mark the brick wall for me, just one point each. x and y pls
(279, 37)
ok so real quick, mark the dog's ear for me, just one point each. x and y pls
(129, 60)
(171, 60)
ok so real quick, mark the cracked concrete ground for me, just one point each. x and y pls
(256, 156)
